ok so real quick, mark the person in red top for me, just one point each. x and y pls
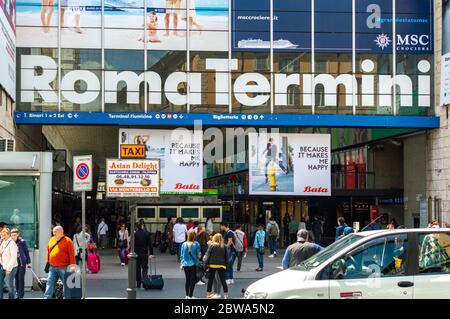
(61, 258)
(242, 237)
(190, 224)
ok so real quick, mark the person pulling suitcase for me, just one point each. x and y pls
(144, 249)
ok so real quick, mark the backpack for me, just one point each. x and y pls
(273, 231)
(239, 242)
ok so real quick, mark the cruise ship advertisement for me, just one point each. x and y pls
(373, 21)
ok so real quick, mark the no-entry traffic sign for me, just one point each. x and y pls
(82, 173)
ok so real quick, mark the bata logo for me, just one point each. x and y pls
(187, 186)
(38, 75)
(310, 189)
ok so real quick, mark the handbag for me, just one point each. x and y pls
(47, 265)
(262, 250)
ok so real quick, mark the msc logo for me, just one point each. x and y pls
(383, 41)
(413, 39)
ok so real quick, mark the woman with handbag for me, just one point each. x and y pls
(190, 259)
(122, 243)
(79, 244)
(260, 237)
(216, 259)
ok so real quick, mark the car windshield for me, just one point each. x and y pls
(329, 252)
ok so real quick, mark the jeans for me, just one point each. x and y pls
(9, 282)
(54, 274)
(260, 258)
(20, 281)
(191, 279)
(212, 276)
(231, 259)
(122, 253)
(178, 247)
(141, 269)
(239, 256)
(273, 244)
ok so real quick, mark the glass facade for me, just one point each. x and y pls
(18, 206)
(225, 56)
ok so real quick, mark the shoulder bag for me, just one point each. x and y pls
(47, 265)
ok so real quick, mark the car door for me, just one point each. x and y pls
(432, 279)
(377, 269)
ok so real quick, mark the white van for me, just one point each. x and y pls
(386, 264)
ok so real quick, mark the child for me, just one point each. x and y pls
(152, 27)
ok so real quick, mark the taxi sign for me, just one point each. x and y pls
(132, 151)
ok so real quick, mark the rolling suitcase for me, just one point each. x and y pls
(93, 263)
(73, 285)
(42, 283)
(153, 281)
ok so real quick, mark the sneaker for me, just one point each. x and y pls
(122, 264)
(200, 283)
(187, 297)
(216, 296)
(193, 297)
(259, 269)
(271, 256)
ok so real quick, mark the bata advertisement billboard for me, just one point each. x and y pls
(290, 164)
(445, 60)
(180, 153)
(8, 46)
(132, 178)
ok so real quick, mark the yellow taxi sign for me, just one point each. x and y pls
(132, 151)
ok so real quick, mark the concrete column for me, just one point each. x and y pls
(45, 209)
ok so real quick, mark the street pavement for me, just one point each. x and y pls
(112, 280)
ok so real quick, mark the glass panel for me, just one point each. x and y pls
(190, 212)
(211, 212)
(165, 212)
(380, 258)
(146, 212)
(434, 253)
(18, 206)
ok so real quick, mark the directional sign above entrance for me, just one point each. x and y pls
(82, 173)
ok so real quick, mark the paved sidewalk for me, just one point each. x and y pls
(112, 280)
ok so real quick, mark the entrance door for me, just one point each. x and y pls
(375, 270)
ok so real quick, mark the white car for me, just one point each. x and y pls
(385, 264)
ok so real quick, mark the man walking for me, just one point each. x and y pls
(142, 247)
(274, 233)
(8, 263)
(230, 242)
(241, 246)
(61, 255)
(101, 233)
(24, 261)
(293, 229)
(179, 235)
(299, 251)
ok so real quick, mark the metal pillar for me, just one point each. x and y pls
(132, 258)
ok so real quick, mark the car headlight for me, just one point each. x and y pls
(255, 295)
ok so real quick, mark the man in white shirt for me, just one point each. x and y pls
(101, 233)
(179, 235)
(8, 263)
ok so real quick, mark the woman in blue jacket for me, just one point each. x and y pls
(260, 237)
(190, 259)
(23, 261)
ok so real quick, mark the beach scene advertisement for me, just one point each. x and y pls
(290, 164)
(180, 156)
(162, 25)
(8, 47)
